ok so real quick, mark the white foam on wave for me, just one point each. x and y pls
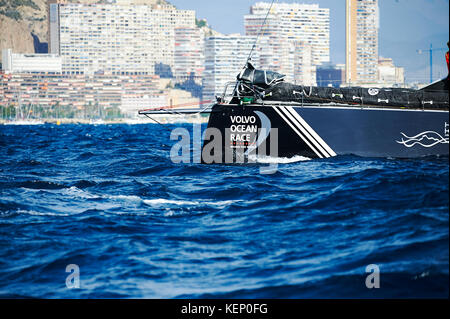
(162, 201)
(35, 213)
(169, 213)
(165, 202)
(278, 160)
(170, 206)
(225, 202)
(128, 198)
(75, 191)
(71, 191)
(79, 193)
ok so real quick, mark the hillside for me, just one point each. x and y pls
(20, 19)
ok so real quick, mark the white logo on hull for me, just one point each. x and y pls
(264, 132)
(425, 139)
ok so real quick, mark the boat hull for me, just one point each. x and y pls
(325, 131)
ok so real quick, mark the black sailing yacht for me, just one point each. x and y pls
(264, 111)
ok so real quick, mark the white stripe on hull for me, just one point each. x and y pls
(298, 133)
(305, 131)
(313, 133)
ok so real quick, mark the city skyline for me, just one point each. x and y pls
(141, 40)
(400, 34)
(362, 56)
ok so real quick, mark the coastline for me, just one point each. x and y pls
(162, 119)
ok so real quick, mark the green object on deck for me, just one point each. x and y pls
(247, 100)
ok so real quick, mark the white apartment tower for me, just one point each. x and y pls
(122, 38)
(189, 52)
(225, 57)
(279, 58)
(293, 22)
(362, 24)
(304, 70)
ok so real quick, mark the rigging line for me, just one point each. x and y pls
(352, 103)
(259, 33)
(151, 118)
(174, 112)
(178, 105)
(159, 123)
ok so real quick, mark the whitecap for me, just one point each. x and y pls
(278, 160)
(75, 191)
(130, 198)
(225, 202)
(162, 201)
(169, 213)
(35, 213)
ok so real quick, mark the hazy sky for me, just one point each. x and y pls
(405, 26)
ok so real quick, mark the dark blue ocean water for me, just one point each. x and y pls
(108, 199)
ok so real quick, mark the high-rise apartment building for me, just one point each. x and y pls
(362, 24)
(276, 55)
(189, 52)
(122, 38)
(294, 40)
(307, 23)
(304, 70)
(224, 58)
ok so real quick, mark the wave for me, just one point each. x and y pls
(80, 193)
(36, 213)
(165, 202)
(398, 285)
(130, 198)
(86, 156)
(306, 232)
(37, 184)
(277, 160)
(76, 192)
(85, 184)
(171, 202)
